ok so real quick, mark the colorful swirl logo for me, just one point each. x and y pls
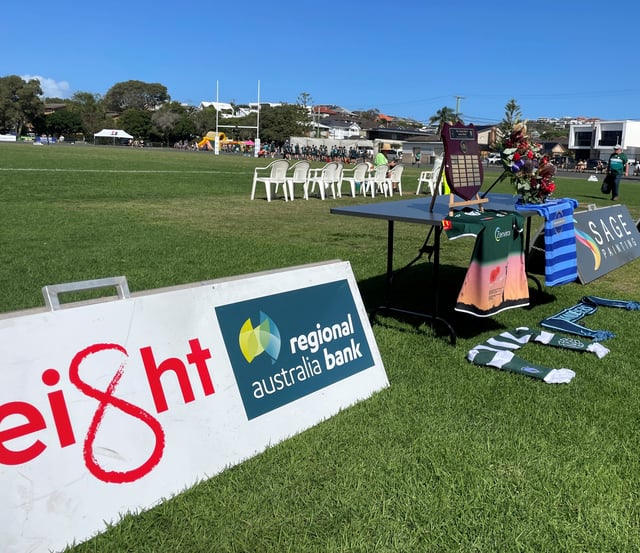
(589, 243)
(263, 338)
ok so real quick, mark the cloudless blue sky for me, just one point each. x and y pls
(411, 58)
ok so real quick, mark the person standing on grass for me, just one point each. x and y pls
(617, 166)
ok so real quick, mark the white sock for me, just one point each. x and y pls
(559, 376)
(598, 349)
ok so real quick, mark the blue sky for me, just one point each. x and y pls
(572, 58)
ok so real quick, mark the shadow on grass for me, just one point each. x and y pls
(599, 197)
(412, 292)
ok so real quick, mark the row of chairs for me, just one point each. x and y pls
(329, 178)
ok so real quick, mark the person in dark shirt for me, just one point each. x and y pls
(617, 166)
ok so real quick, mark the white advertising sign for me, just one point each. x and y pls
(606, 239)
(110, 407)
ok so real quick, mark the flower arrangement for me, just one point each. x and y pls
(530, 172)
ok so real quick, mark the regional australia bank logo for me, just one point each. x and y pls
(285, 346)
(264, 338)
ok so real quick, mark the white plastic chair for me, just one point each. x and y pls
(423, 178)
(377, 182)
(300, 175)
(430, 177)
(337, 179)
(395, 179)
(324, 177)
(354, 177)
(277, 174)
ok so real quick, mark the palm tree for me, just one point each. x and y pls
(444, 115)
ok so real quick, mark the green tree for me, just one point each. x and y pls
(90, 108)
(204, 120)
(173, 123)
(548, 131)
(164, 121)
(63, 123)
(135, 95)
(279, 123)
(184, 129)
(370, 115)
(137, 122)
(49, 100)
(304, 101)
(234, 126)
(444, 115)
(20, 103)
(512, 116)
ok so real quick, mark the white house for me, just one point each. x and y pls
(343, 129)
(596, 140)
(240, 110)
(223, 108)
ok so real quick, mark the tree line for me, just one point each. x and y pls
(144, 110)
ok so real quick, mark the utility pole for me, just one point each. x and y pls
(458, 98)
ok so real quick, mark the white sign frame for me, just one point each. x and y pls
(91, 455)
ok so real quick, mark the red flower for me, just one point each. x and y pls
(516, 156)
(530, 154)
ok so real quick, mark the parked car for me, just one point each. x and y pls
(493, 158)
(392, 155)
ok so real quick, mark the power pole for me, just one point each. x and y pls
(458, 98)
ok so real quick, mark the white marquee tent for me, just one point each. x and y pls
(112, 133)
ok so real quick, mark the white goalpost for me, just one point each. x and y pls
(256, 147)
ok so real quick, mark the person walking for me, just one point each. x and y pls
(617, 166)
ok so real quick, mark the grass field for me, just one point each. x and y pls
(451, 457)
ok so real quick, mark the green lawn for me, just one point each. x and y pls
(451, 457)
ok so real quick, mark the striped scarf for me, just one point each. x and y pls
(498, 352)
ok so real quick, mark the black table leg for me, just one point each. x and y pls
(527, 247)
(435, 249)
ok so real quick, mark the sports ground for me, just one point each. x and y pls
(450, 457)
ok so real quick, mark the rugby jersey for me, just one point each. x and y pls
(560, 257)
(495, 279)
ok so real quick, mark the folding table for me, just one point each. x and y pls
(424, 211)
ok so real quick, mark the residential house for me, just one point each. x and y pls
(339, 129)
(50, 107)
(223, 108)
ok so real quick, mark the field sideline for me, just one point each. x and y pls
(451, 457)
